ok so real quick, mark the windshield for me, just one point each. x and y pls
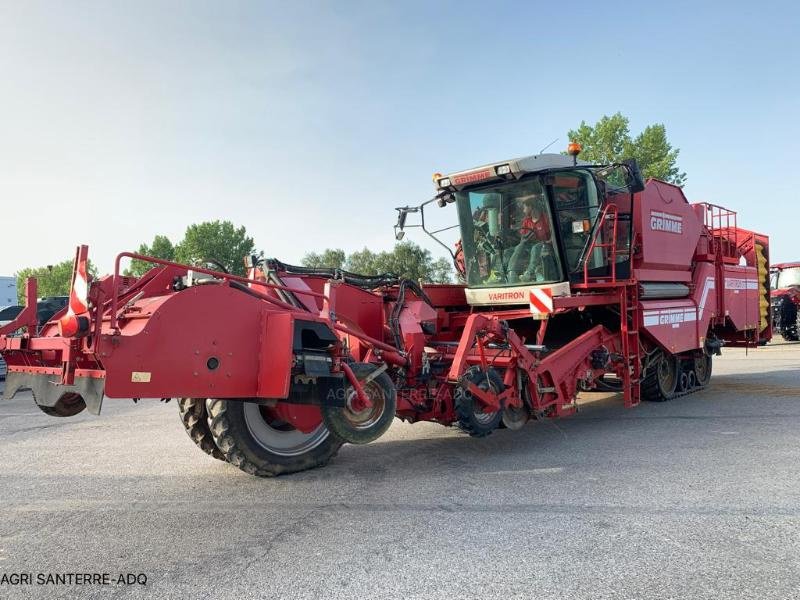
(786, 278)
(507, 235)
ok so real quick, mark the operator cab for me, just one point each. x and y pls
(784, 276)
(530, 222)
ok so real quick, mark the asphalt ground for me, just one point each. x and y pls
(694, 498)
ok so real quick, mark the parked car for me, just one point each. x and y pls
(45, 309)
(8, 314)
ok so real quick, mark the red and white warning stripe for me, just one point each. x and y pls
(79, 293)
(76, 321)
(541, 300)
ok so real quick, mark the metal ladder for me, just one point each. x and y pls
(631, 350)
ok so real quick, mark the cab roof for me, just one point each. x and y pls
(507, 169)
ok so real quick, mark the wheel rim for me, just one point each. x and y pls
(667, 375)
(278, 436)
(367, 417)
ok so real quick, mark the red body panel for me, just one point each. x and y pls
(670, 232)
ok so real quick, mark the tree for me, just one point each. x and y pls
(363, 262)
(52, 280)
(216, 241)
(160, 248)
(407, 260)
(609, 140)
(331, 258)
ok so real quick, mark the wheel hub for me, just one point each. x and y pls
(366, 417)
(278, 436)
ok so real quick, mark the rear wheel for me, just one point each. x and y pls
(258, 440)
(662, 379)
(194, 417)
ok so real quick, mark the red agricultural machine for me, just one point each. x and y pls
(785, 296)
(574, 277)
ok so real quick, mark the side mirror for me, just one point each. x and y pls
(633, 176)
(402, 214)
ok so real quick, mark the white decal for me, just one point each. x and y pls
(661, 221)
(511, 295)
(669, 316)
(709, 285)
(741, 284)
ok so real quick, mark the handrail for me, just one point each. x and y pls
(721, 223)
(608, 210)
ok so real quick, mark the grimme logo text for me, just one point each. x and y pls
(661, 221)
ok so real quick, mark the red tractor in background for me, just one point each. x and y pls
(575, 276)
(785, 296)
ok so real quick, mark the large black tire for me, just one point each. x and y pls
(796, 324)
(194, 417)
(368, 425)
(260, 446)
(471, 419)
(789, 319)
(661, 379)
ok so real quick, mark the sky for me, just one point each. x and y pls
(308, 122)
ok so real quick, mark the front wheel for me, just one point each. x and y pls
(260, 442)
(472, 417)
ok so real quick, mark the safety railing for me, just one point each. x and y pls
(610, 212)
(721, 224)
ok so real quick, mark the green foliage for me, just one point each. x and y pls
(215, 240)
(406, 260)
(160, 248)
(609, 140)
(331, 258)
(218, 241)
(52, 280)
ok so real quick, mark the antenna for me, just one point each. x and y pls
(548, 145)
